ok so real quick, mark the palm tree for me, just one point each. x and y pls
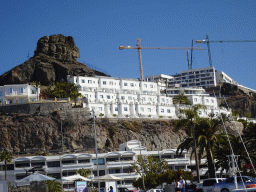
(37, 85)
(58, 90)
(191, 116)
(54, 186)
(6, 157)
(181, 99)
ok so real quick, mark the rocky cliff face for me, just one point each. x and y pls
(31, 133)
(236, 98)
(55, 58)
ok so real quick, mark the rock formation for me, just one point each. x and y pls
(55, 57)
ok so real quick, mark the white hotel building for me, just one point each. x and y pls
(18, 93)
(130, 98)
(124, 97)
(118, 163)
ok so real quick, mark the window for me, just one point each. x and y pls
(1, 93)
(82, 81)
(212, 101)
(166, 100)
(162, 110)
(101, 161)
(195, 99)
(163, 100)
(151, 86)
(116, 108)
(143, 99)
(53, 164)
(21, 90)
(11, 90)
(111, 159)
(142, 109)
(125, 109)
(168, 111)
(104, 83)
(132, 84)
(123, 97)
(149, 109)
(68, 161)
(24, 164)
(111, 83)
(130, 98)
(125, 158)
(83, 160)
(200, 112)
(125, 84)
(86, 95)
(145, 85)
(108, 96)
(89, 81)
(207, 100)
(100, 108)
(101, 96)
(150, 99)
(178, 156)
(35, 164)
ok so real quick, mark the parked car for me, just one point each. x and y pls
(190, 187)
(155, 190)
(208, 184)
(228, 184)
(122, 189)
(199, 187)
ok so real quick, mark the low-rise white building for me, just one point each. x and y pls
(18, 93)
(118, 163)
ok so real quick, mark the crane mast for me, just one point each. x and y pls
(138, 46)
(219, 41)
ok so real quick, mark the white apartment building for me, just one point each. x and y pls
(130, 98)
(201, 77)
(18, 93)
(122, 98)
(118, 163)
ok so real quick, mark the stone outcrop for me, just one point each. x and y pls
(55, 57)
(42, 131)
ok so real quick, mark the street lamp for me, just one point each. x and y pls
(140, 161)
(96, 150)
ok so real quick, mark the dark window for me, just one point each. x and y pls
(69, 173)
(84, 161)
(53, 164)
(18, 177)
(113, 171)
(111, 159)
(68, 161)
(101, 161)
(128, 181)
(178, 156)
(37, 164)
(55, 175)
(9, 167)
(166, 156)
(101, 173)
(19, 165)
(126, 158)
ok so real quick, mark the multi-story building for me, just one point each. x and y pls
(124, 97)
(118, 163)
(112, 97)
(18, 93)
(201, 77)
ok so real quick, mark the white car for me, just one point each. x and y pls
(228, 184)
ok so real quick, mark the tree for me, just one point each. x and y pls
(101, 115)
(181, 99)
(187, 121)
(37, 85)
(151, 167)
(248, 114)
(54, 186)
(84, 172)
(6, 157)
(58, 90)
(235, 113)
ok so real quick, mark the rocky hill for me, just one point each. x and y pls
(55, 57)
(235, 98)
(39, 132)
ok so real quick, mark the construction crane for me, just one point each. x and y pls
(138, 46)
(219, 41)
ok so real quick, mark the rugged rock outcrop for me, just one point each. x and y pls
(55, 58)
(236, 98)
(24, 133)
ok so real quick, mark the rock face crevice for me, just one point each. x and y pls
(55, 57)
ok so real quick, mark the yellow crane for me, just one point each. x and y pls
(138, 46)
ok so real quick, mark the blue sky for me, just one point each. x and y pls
(100, 26)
